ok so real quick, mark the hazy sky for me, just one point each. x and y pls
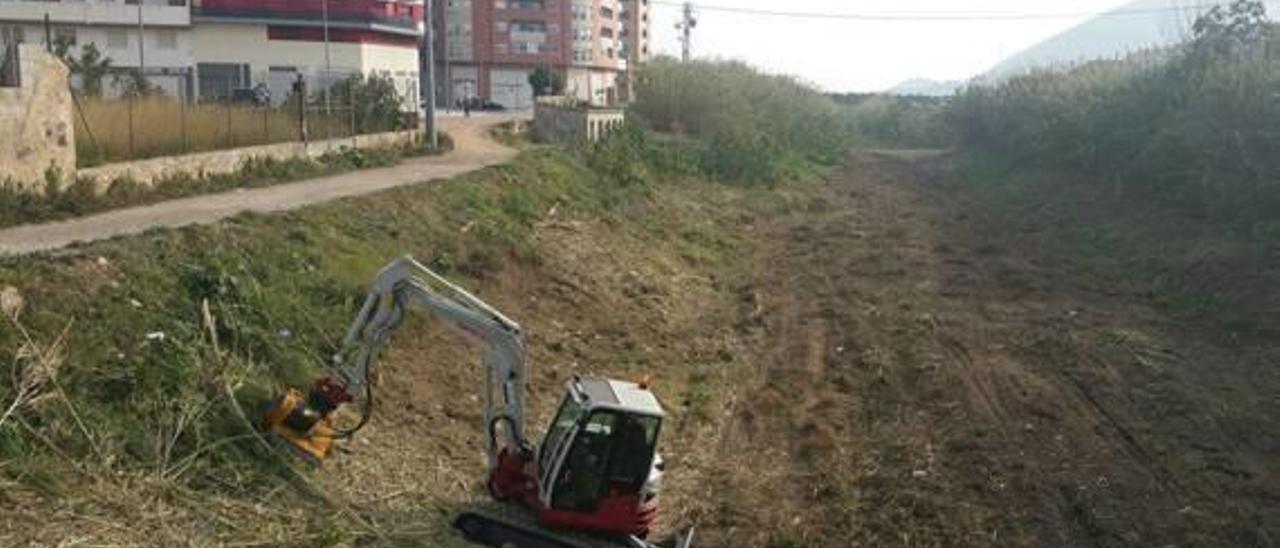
(844, 55)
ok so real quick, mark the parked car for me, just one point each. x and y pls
(258, 96)
(484, 103)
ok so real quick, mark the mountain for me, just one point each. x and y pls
(923, 87)
(1138, 25)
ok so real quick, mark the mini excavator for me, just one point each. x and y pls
(592, 481)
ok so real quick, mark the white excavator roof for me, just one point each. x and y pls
(624, 396)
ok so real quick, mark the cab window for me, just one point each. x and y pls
(612, 450)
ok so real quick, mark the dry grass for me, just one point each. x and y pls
(122, 129)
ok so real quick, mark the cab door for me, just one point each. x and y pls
(581, 476)
(556, 443)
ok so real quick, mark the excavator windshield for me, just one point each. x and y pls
(568, 415)
(612, 451)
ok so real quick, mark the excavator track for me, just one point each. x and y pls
(507, 527)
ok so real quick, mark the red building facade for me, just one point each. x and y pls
(488, 48)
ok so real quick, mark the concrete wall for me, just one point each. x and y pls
(36, 130)
(600, 87)
(222, 162)
(560, 120)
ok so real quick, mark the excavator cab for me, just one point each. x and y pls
(597, 468)
(598, 464)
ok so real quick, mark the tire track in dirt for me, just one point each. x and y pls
(921, 379)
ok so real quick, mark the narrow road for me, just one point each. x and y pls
(473, 150)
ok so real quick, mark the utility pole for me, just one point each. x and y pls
(432, 136)
(686, 27)
(142, 57)
(444, 60)
(328, 70)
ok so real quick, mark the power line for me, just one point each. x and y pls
(938, 16)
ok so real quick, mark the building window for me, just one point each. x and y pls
(528, 47)
(606, 32)
(606, 13)
(64, 35)
(528, 26)
(537, 5)
(166, 39)
(117, 39)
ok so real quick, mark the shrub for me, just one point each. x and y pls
(622, 157)
(751, 123)
(1191, 126)
(885, 120)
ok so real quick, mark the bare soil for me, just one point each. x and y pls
(925, 377)
(879, 363)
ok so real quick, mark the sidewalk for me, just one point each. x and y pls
(473, 150)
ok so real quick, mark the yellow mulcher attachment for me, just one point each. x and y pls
(305, 422)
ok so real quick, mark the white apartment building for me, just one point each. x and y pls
(151, 35)
(239, 44)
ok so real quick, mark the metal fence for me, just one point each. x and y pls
(130, 126)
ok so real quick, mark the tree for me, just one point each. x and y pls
(545, 81)
(91, 66)
(378, 105)
(1229, 29)
(133, 83)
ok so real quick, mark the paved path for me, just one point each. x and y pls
(473, 149)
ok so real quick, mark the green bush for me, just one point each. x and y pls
(752, 124)
(376, 101)
(885, 120)
(1192, 126)
(622, 157)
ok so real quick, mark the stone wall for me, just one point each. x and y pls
(36, 131)
(222, 162)
(559, 120)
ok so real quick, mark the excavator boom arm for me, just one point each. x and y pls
(405, 283)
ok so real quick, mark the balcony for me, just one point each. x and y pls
(160, 13)
(394, 17)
